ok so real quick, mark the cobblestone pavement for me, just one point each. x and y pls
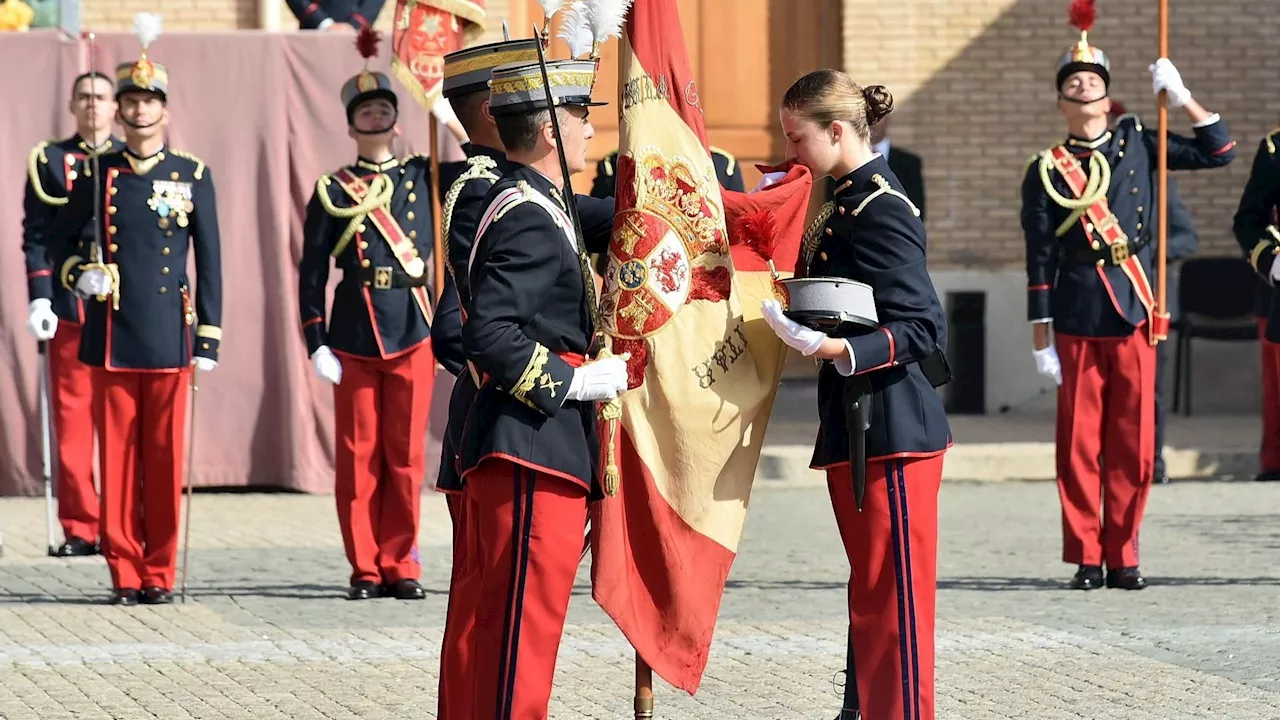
(266, 633)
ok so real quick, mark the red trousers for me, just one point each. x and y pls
(459, 623)
(1105, 445)
(380, 420)
(529, 528)
(893, 582)
(71, 404)
(1270, 455)
(142, 419)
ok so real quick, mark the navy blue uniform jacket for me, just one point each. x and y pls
(1255, 226)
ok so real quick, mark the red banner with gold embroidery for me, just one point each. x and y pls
(687, 272)
(424, 32)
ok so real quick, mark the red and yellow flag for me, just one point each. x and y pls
(425, 31)
(683, 297)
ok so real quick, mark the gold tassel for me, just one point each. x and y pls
(611, 413)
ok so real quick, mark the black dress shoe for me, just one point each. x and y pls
(363, 591)
(76, 547)
(124, 596)
(1126, 579)
(406, 590)
(1267, 476)
(156, 595)
(1088, 577)
(1160, 479)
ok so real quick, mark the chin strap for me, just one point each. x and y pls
(386, 129)
(139, 127)
(1082, 102)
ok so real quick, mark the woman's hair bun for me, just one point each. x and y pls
(879, 103)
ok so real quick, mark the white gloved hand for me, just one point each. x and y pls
(443, 111)
(94, 282)
(326, 365)
(204, 364)
(1164, 76)
(42, 323)
(768, 179)
(792, 333)
(599, 380)
(1048, 364)
(1275, 271)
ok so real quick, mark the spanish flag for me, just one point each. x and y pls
(424, 32)
(688, 268)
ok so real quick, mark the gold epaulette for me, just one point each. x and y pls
(34, 161)
(1035, 157)
(1270, 139)
(732, 160)
(416, 156)
(479, 167)
(199, 173)
(1137, 121)
(607, 162)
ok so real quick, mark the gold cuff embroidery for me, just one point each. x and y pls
(213, 332)
(532, 370)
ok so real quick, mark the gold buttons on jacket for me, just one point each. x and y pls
(413, 197)
(364, 245)
(365, 263)
(822, 256)
(1133, 191)
(1139, 226)
(113, 247)
(1095, 245)
(112, 230)
(164, 271)
(164, 251)
(408, 185)
(413, 234)
(164, 290)
(115, 173)
(360, 227)
(173, 176)
(1139, 208)
(111, 209)
(71, 174)
(828, 232)
(841, 209)
(409, 215)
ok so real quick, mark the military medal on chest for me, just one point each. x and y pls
(171, 200)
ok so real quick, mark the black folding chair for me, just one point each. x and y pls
(1216, 300)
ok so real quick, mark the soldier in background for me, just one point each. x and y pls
(349, 16)
(143, 331)
(905, 164)
(54, 165)
(1256, 231)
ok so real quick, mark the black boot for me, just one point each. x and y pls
(1127, 578)
(1088, 577)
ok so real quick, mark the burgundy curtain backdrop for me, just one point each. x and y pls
(263, 111)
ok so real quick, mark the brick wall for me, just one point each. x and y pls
(973, 83)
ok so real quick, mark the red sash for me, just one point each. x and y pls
(402, 247)
(1099, 219)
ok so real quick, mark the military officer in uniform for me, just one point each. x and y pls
(891, 540)
(372, 219)
(144, 328)
(349, 16)
(1257, 229)
(52, 168)
(529, 454)
(1088, 209)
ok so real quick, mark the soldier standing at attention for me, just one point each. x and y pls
(52, 168)
(1088, 215)
(142, 331)
(1256, 230)
(373, 220)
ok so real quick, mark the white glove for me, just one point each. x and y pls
(1164, 76)
(204, 364)
(42, 323)
(1275, 271)
(443, 111)
(768, 179)
(326, 365)
(1048, 364)
(600, 380)
(94, 282)
(792, 333)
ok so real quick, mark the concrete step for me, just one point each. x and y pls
(1018, 445)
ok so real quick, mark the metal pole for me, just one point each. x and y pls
(191, 454)
(45, 452)
(1162, 170)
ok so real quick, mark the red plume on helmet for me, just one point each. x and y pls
(1082, 14)
(367, 42)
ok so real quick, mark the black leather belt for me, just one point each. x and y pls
(1099, 253)
(385, 277)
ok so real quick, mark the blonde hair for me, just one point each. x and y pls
(827, 96)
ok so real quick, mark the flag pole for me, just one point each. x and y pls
(1162, 172)
(437, 246)
(644, 689)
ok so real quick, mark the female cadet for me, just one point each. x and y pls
(871, 233)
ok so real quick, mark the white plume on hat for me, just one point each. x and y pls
(575, 30)
(148, 26)
(607, 17)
